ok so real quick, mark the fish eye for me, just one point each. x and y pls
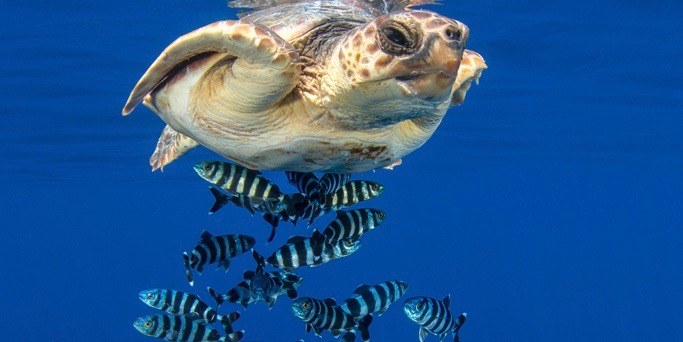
(148, 324)
(305, 305)
(380, 215)
(348, 243)
(397, 38)
(374, 187)
(208, 167)
(149, 295)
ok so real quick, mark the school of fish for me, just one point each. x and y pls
(186, 317)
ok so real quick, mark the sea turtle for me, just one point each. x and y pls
(310, 85)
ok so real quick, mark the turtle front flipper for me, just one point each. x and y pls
(171, 145)
(471, 67)
(265, 68)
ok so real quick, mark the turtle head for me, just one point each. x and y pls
(401, 66)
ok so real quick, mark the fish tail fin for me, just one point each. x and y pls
(460, 321)
(364, 327)
(218, 297)
(221, 200)
(260, 260)
(233, 337)
(188, 269)
(227, 320)
(273, 220)
(294, 204)
(349, 336)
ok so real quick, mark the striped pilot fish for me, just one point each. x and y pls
(264, 288)
(310, 210)
(339, 249)
(331, 182)
(350, 193)
(186, 328)
(434, 316)
(260, 286)
(215, 249)
(322, 315)
(352, 224)
(377, 298)
(298, 251)
(239, 180)
(271, 210)
(178, 303)
(306, 182)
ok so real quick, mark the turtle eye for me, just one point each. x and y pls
(398, 39)
(395, 36)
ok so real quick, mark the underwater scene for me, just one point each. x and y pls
(342, 170)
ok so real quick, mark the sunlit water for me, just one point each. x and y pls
(548, 205)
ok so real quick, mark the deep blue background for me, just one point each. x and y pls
(549, 204)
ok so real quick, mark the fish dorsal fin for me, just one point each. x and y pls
(295, 239)
(447, 300)
(205, 237)
(317, 237)
(330, 301)
(362, 288)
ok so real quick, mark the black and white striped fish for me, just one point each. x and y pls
(215, 249)
(260, 286)
(311, 211)
(270, 209)
(341, 248)
(352, 224)
(322, 315)
(377, 298)
(239, 180)
(298, 251)
(434, 316)
(331, 182)
(221, 200)
(186, 328)
(306, 182)
(178, 303)
(351, 193)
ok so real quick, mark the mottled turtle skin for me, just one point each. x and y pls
(305, 85)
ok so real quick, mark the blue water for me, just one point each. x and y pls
(549, 205)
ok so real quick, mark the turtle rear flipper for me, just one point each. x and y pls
(171, 145)
(263, 70)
